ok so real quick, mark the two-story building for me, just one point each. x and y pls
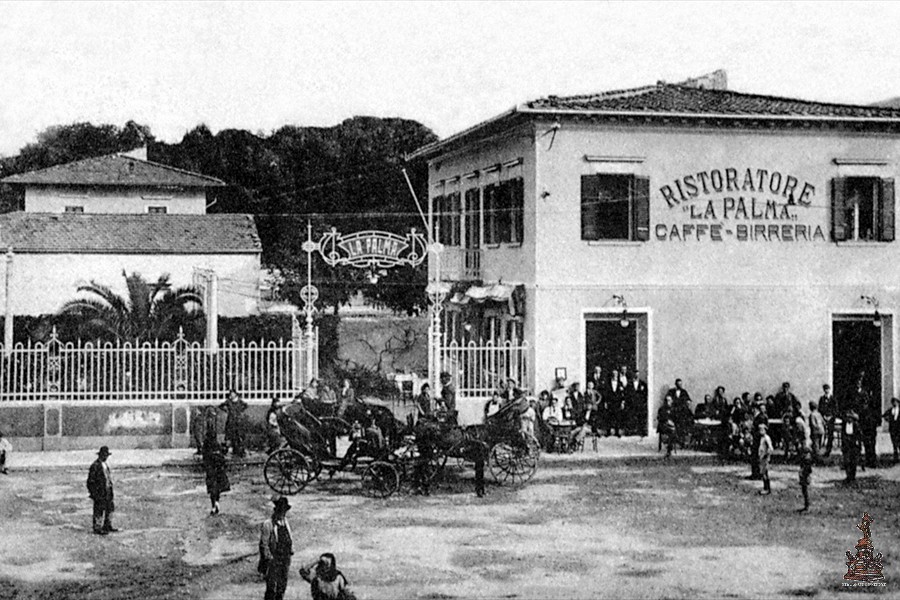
(684, 230)
(95, 218)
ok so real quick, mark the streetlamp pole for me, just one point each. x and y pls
(309, 294)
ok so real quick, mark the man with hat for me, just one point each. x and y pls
(100, 489)
(275, 549)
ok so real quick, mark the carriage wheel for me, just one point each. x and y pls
(287, 471)
(380, 480)
(513, 465)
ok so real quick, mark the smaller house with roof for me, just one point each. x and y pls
(95, 218)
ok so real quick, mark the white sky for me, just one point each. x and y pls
(260, 65)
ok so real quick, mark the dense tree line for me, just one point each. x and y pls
(347, 176)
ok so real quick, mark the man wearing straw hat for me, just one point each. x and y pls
(275, 549)
(100, 489)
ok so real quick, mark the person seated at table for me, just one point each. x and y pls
(665, 425)
(732, 425)
(584, 424)
(568, 410)
(719, 405)
(703, 409)
(553, 411)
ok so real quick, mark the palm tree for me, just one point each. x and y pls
(150, 311)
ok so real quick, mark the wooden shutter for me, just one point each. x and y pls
(517, 205)
(838, 209)
(490, 214)
(504, 211)
(452, 206)
(590, 207)
(641, 208)
(886, 206)
(472, 219)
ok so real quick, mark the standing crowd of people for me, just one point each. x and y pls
(754, 428)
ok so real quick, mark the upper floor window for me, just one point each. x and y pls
(615, 207)
(862, 209)
(504, 209)
(74, 209)
(447, 222)
(157, 210)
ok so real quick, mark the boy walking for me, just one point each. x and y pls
(765, 453)
(816, 431)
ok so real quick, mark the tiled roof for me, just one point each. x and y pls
(128, 233)
(673, 100)
(679, 99)
(117, 170)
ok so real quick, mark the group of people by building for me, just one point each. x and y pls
(754, 428)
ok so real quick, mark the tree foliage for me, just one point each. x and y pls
(149, 311)
(347, 176)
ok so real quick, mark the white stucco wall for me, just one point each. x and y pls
(41, 283)
(108, 200)
(744, 314)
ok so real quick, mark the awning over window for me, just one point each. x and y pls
(511, 295)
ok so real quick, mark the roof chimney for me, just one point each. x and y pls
(138, 153)
(717, 80)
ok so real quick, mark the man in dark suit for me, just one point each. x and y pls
(636, 404)
(830, 410)
(684, 412)
(100, 489)
(784, 400)
(892, 416)
(614, 397)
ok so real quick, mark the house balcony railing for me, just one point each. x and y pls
(458, 264)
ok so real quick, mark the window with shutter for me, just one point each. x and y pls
(517, 210)
(887, 210)
(838, 210)
(453, 211)
(472, 219)
(641, 203)
(862, 209)
(590, 194)
(606, 207)
(490, 214)
(504, 211)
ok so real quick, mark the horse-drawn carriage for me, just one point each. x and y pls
(389, 453)
(511, 454)
(311, 431)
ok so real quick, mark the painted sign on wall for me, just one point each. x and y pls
(749, 204)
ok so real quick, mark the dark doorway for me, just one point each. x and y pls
(856, 348)
(610, 345)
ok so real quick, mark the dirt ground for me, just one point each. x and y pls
(621, 523)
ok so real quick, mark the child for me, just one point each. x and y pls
(5, 448)
(816, 430)
(216, 474)
(325, 581)
(765, 453)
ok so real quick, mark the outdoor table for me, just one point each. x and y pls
(706, 431)
(562, 432)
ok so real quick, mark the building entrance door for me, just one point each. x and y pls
(856, 349)
(610, 346)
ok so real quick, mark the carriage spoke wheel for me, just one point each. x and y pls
(510, 464)
(501, 461)
(287, 471)
(380, 480)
